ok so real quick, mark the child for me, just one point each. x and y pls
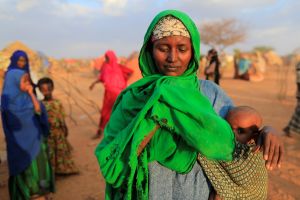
(246, 176)
(59, 148)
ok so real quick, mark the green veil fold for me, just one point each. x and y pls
(183, 119)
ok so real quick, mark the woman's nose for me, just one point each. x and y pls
(172, 56)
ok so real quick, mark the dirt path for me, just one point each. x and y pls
(89, 184)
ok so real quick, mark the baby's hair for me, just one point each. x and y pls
(244, 109)
(45, 80)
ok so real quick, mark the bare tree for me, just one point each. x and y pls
(223, 33)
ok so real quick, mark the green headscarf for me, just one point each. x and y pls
(187, 124)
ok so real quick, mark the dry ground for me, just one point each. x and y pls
(89, 184)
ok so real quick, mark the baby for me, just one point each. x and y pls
(245, 123)
(246, 176)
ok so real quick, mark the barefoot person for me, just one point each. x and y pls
(160, 123)
(59, 147)
(114, 77)
(294, 124)
(25, 127)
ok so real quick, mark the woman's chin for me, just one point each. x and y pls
(172, 73)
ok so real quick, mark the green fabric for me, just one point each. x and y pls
(37, 179)
(187, 120)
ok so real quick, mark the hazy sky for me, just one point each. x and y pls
(86, 28)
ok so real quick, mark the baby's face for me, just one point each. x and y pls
(246, 135)
(245, 127)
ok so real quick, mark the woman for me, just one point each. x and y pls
(25, 126)
(212, 71)
(114, 77)
(294, 124)
(160, 123)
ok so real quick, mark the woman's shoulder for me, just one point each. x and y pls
(15, 73)
(210, 89)
(12, 80)
(207, 86)
(215, 94)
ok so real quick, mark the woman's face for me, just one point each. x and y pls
(172, 55)
(21, 62)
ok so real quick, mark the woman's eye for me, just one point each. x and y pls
(163, 49)
(182, 49)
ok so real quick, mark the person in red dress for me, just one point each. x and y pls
(114, 76)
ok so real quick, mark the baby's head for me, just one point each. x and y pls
(245, 123)
(46, 86)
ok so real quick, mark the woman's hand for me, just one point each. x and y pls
(29, 89)
(25, 84)
(94, 83)
(92, 86)
(272, 147)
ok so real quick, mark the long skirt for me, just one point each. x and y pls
(60, 153)
(294, 124)
(110, 97)
(36, 180)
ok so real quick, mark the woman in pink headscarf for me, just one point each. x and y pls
(114, 77)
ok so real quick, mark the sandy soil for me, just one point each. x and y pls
(82, 105)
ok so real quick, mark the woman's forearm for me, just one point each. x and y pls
(36, 103)
(97, 81)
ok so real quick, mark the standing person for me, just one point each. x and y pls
(59, 147)
(160, 123)
(244, 64)
(236, 58)
(114, 77)
(294, 124)
(25, 127)
(212, 70)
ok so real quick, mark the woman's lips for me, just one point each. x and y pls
(171, 68)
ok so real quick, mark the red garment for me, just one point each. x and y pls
(108, 103)
(114, 77)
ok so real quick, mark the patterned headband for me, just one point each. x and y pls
(169, 26)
